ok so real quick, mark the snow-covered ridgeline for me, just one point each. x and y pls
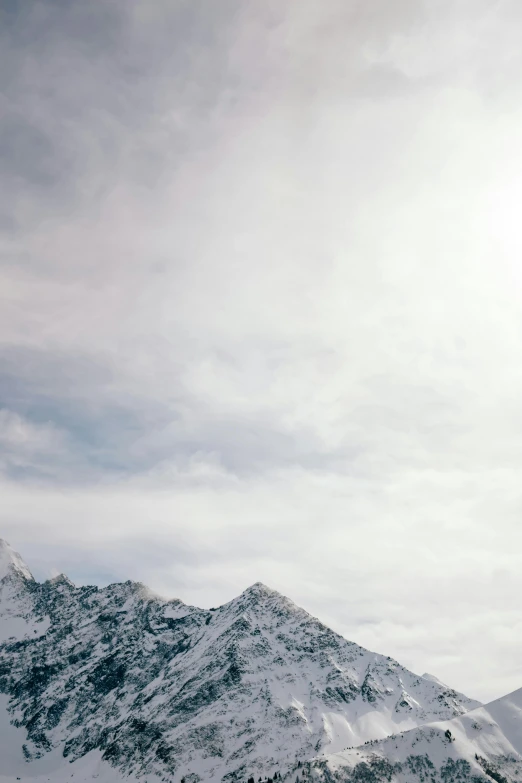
(484, 744)
(158, 688)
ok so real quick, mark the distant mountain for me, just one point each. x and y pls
(484, 745)
(124, 683)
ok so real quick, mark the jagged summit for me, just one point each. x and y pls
(260, 601)
(261, 592)
(61, 579)
(259, 587)
(11, 562)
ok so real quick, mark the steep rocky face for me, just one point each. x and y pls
(161, 688)
(20, 616)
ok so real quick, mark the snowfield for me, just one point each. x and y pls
(485, 744)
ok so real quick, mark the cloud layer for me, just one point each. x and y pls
(261, 311)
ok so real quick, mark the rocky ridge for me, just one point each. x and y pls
(158, 689)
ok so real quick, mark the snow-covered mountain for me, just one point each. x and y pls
(122, 682)
(484, 745)
(19, 615)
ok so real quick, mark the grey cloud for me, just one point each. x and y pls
(260, 309)
(73, 394)
(91, 92)
(119, 562)
(108, 430)
(84, 89)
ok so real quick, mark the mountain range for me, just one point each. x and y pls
(120, 684)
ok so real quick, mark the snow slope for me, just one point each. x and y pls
(158, 688)
(484, 744)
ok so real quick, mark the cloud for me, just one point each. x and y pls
(260, 311)
(24, 445)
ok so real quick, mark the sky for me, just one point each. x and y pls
(261, 310)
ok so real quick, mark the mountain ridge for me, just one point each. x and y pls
(159, 688)
(481, 746)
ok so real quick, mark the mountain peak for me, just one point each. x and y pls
(260, 597)
(11, 562)
(254, 686)
(259, 592)
(60, 579)
(432, 678)
(258, 588)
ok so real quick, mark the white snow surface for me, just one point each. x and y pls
(118, 683)
(488, 739)
(432, 677)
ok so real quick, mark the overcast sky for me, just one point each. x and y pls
(261, 310)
